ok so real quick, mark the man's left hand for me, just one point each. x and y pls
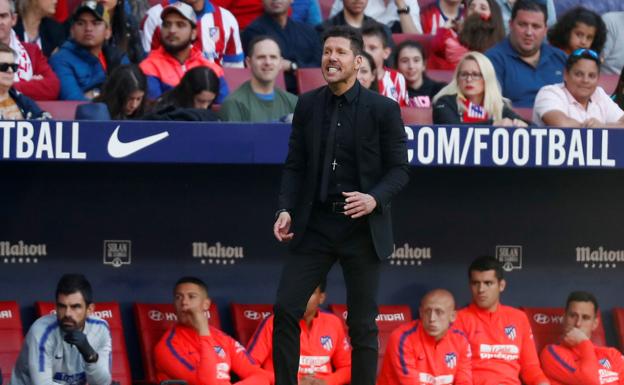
(311, 380)
(358, 204)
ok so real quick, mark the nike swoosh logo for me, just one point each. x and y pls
(119, 149)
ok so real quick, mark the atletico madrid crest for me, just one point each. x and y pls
(510, 332)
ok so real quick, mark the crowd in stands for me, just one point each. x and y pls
(126, 59)
(485, 342)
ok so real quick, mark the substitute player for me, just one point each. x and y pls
(70, 347)
(576, 360)
(325, 357)
(500, 336)
(429, 350)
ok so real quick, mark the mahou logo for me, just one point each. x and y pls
(409, 256)
(21, 252)
(217, 253)
(598, 258)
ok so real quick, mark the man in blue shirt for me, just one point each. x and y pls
(524, 63)
(298, 42)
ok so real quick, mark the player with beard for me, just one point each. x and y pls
(166, 65)
(70, 347)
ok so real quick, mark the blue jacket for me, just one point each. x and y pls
(30, 110)
(80, 71)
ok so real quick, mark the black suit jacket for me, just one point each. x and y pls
(381, 154)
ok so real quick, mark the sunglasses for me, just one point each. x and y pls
(4, 67)
(585, 51)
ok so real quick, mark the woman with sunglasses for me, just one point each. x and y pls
(13, 104)
(473, 96)
(579, 101)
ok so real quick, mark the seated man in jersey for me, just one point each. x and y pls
(325, 357)
(197, 353)
(500, 336)
(428, 350)
(576, 360)
(70, 347)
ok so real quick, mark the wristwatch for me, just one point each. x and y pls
(293, 66)
(403, 10)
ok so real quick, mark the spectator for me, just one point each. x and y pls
(429, 348)
(473, 96)
(390, 82)
(579, 101)
(83, 61)
(124, 93)
(298, 42)
(440, 13)
(218, 35)
(479, 31)
(307, 11)
(257, 100)
(613, 52)
(523, 62)
(325, 352)
(576, 360)
(191, 99)
(401, 16)
(35, 24)
(165, 66)
(367, 73)
(409, 59)
(507, 5)
(195, 352)
(352, 15)
(578, 28)
(503, 350)
(34, 77)
(618, 94)
(13, 104)
(125, 30)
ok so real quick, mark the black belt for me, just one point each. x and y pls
(332, 206)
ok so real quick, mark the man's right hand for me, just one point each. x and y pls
(199, 322)
(281, 227)
(574, 337)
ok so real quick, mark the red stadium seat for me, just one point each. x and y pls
(152, 321)
(546, 323)
(110, 312)
(390, 316)
(11, 337)
(423, 39)
(412, 115)
(525, 113)
(618, 320)
(60, 109)
(247, 317)
(445, 76)
(309, 79)
(608, 82)
(237, 76)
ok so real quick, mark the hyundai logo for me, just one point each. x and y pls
(541, 318)
(155, 315)
(252, 315)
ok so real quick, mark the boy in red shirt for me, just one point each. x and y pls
(500, 336)
(429, 350)
(197, 353)
(576, 360)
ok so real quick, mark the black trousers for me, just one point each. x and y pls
(329, 238)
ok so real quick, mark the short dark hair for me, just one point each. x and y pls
(582, 53)
(529, 5)
(74, 283)
(486, 263)
(559, 34)
(349, 33)
(582, 296)
(408, 44)
(193, 280)
(375, 29)
(258, 39)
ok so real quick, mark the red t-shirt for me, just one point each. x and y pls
(502, 346)
(415, 358)
(583, 364)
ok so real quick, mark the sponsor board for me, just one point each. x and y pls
(6, 314)
(217, 254)
(409, 256)
(21, 252)
(598, 258)
(117, 252)
(510, 257)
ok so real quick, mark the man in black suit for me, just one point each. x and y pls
(347, 159)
